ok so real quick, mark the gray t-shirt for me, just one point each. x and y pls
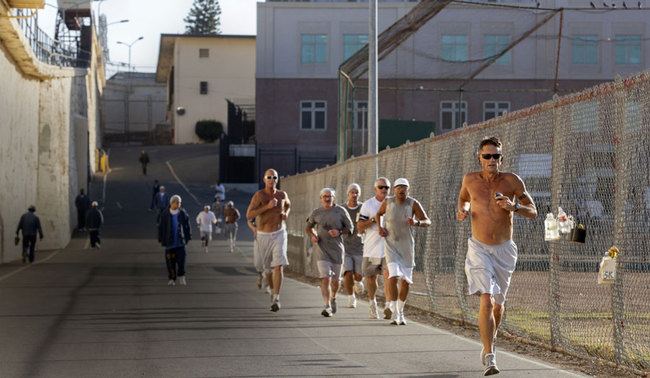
(329, 248)
(399, 244)
(353, 242)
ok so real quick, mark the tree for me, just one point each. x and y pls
(204, 18)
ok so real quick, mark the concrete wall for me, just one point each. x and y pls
(48, 126)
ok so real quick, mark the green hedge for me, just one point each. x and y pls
(208, 130)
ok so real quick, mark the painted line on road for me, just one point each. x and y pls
(28, 266)
(171, 169)
(87, 244)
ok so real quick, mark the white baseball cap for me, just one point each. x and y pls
(401, 181)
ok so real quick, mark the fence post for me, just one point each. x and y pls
(554, 266)
(621, 161)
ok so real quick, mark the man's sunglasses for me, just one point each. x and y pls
(488, 156)
(383, 187)
(271, 177)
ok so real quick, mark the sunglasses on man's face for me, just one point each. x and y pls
(383, 187)
(489, 156)
(271, 177)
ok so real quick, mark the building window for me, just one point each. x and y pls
(313, 115)
(493, 109)
(628, 49)
(360, 114)
(204, 53)
(353, 43)
(494, 45)
(449, 114)
(204, 87)
(313, 48)
(584, 117)
(584, 49)
(454, 48)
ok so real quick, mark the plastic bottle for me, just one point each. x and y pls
(550, 228)
(562, 221)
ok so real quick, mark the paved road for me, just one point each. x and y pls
(79, 312)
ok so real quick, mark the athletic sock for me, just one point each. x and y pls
(400, 306)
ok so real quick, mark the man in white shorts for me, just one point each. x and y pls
(353, 244)
(257, 259)
(271, 207)
(399, 245)
(491, 254)
(204, 221)
(373, 246)
(330, 222)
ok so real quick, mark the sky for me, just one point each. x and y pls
(150, 19)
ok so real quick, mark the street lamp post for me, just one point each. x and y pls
(127, 110)
(129, 46)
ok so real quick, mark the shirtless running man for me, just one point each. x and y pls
(491, 254)
(271, 207)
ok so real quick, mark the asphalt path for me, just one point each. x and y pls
(81, 312)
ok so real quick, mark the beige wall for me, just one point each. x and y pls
(47, 125)
(229, 71)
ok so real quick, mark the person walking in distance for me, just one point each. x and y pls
(353, 245)
(82, 203)
(330, 221)
(271, 207)
(231, 216)
(400, 212)
(373, 262)
(94, 223)
(144, 160)
(30, 225)
(204, 220)
(217, 208)
(161, 201)
(492, 197)
(174, 233)
(156, 189)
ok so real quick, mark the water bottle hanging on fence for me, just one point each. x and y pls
(550, 228)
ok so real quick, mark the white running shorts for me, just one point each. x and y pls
(489, 268)
(327, 269)
(273, 248)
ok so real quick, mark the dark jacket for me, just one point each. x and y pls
(161, 203)
(94, 219)
(82, 202)
(30, 224)
(165, 236)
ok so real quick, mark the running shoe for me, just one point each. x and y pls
(259, 282)
(395, 318)
(352, 301)
(334, 306)
(358, 288)
(401, 319)
(494, 350)
(373, 311)
(171, 283)
(327, 311)
(490, 364)
(275, 307)
(183, 281)
(388, 314)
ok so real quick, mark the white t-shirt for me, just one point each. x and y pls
(373, 244)
(205, 220)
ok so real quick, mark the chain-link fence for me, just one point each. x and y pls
(588, 153)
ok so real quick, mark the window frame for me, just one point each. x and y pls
(315, 44)
(497, 48)
(454, 45)
(203, 87)
(204, 53)
(585, 41)
(357, 44)
(498, 111)
(627, 42)
(313, 109)
(454, 114)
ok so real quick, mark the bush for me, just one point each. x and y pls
(208, 130)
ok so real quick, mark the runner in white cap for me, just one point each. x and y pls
(400, 212)
(353, 243)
